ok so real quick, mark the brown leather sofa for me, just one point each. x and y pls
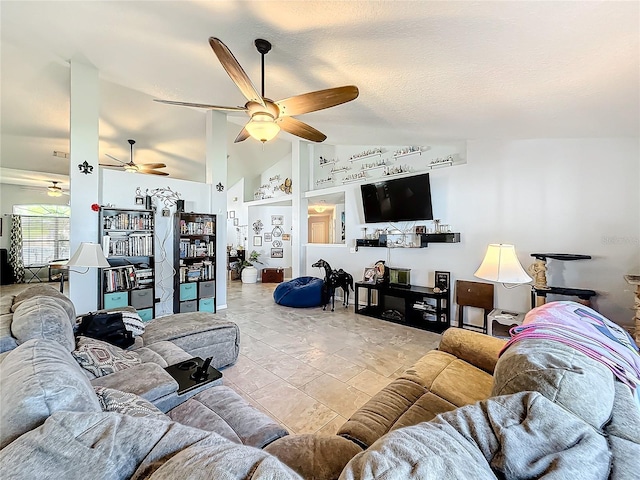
(457, 374)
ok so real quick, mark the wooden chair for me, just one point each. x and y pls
(474, 294)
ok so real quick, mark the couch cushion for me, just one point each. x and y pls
(101, 358)
(623, 434)
(562, 374)
(43, 317)
(163, 353)
(7, 341)
(112, 400)
(47, 291)
(6, 301)
(200, 334)
(37, 379)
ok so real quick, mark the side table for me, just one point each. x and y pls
(504, 320)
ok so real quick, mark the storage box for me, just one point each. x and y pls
(116, 299)
(142, 298)
(205, 305)
(207, 289)
(189, 306)
(188, 291)
(272, 275)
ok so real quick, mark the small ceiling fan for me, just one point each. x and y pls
(130, 166)
(55, 191)
(267, 116)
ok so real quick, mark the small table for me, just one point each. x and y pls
(34, 272)
(504, 318)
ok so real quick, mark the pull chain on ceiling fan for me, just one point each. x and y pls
(132, 167)
(267, 116)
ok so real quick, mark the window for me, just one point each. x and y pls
(45, 232)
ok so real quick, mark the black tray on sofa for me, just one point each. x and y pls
(183, 374)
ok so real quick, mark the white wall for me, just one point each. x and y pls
(551, 195)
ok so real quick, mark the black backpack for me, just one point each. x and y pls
(108, 327)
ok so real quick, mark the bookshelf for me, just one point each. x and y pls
(194, 284)
(127, 242)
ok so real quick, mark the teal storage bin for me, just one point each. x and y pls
(146, 314)
(116, 299)
(206, 305)
(188, 291)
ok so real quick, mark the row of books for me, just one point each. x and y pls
(134, 244)
(196, 248)
(129, 221)
(198, 271)
(204, 227)
(120, 278)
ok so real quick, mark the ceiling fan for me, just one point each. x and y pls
(267, 116)
(55, 191)
(130, 166)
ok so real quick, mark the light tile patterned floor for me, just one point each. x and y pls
(311, 369)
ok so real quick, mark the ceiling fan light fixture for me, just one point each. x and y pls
(131, 168)
(54, 190)
(262, 127)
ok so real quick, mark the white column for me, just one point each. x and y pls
(85, 112)
(216, 173)
(299, 234)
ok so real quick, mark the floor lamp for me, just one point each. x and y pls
(87, 255)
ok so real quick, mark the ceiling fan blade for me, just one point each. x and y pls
(114, 158)
(300, 129)
(153, 172)
(202, 105)
(318, 100)
(235, 71)
(110, 166)
(150, 166)
(242, 136)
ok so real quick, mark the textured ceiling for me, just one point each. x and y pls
(426, 71)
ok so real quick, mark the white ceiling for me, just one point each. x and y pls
(426, 71)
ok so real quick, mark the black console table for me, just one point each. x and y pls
(418, 307)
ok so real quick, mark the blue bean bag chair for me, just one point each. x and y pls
(299, 292)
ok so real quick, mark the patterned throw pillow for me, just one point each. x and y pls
(127, 403)
(132, 322)
(102, 358)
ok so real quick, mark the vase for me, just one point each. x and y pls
(249, 275)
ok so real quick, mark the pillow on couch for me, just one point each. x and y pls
(130, 317)
(101, 358)
(45, 291)
(37, 379)
(42, 317)
(112, 400)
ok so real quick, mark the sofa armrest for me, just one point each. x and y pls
(475, 348)
(321, 457)
(148, 380)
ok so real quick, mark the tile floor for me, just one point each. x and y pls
(312, 369)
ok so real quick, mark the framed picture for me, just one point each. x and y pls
(232, 213)
(267, 237)
(286, 237)
(443, 279)
(277, 253)
(277, 231)
(139, 200)
(421, 229)
(277, 219)
(257, 241)
(370, 275)
(235, 222)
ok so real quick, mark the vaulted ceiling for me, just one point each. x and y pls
(426, 71)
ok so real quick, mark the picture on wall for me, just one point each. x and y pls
(277, 219)
(235, 222)
(443, 280)
(370, 275)
(257, 241)
(267, 237)
(231, 213)
(277, 253)
(286, 237)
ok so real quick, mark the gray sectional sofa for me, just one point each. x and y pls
(542, 410)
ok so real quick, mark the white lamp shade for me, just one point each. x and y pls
(262, 127)
(501, 264)
(88, 255)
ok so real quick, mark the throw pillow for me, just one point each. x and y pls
(102, 358)
(112, 400)
(132, 322)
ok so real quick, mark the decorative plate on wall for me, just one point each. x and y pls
(257, 226)
(277, 243)
(277, 232)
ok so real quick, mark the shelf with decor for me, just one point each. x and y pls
(371, 155)
(194, 254)
(127, 238)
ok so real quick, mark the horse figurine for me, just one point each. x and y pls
(332, 280)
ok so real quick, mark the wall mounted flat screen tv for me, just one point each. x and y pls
(397, 200)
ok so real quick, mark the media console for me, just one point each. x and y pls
(418, 307)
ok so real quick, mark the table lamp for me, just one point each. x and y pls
(87, 255)
(501, 264)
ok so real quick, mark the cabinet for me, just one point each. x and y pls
(127, 242)
(194, 283)
(418, 307)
